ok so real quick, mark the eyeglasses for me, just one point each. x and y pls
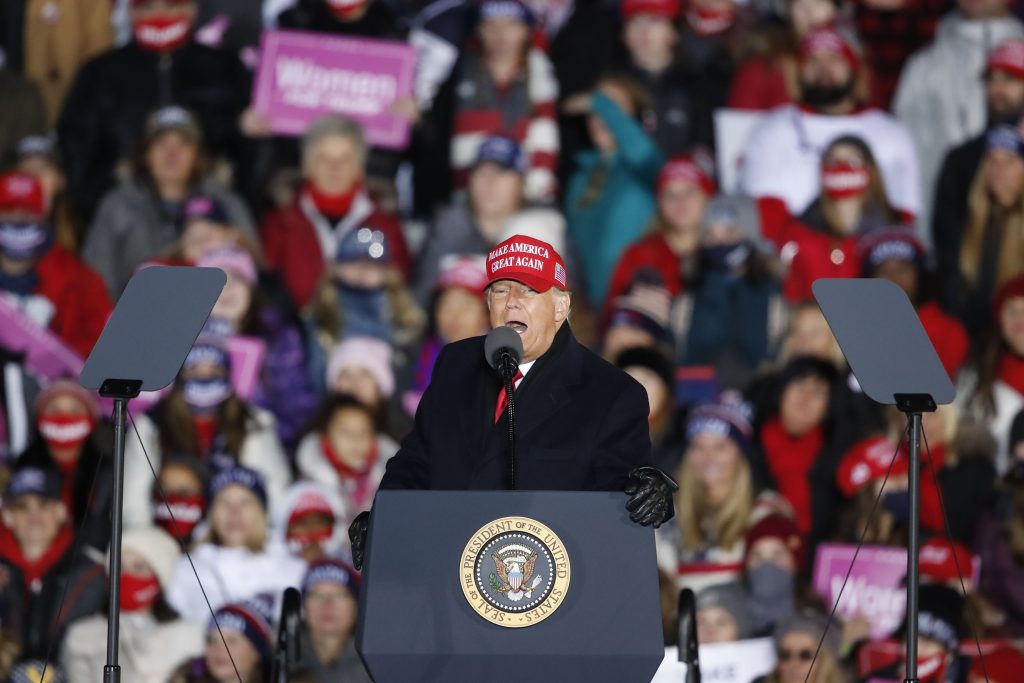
(802, 655)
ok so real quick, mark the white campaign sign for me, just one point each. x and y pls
(732, 130)
(739, 662)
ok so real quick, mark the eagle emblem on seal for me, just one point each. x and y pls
(513, 575)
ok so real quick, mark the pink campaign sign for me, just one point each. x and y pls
(876, 589)
(303, 76)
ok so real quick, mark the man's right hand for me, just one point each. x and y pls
(357, 535)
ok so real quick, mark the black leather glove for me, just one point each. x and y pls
(650, 494)
(357, 535)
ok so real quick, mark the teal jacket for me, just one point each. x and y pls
(604, 228)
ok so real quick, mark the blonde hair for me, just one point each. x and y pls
(1011, 243)
(827, 670)
(728, 520)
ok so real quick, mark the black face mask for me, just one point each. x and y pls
(823, 96)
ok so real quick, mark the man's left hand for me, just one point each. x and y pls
(650, 494)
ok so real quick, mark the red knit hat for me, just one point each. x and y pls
(310, 503)
(938, 560)
(780, 527)
(1011, 289)
(865, 462)
(828, 39)
(1003, 664)
(534, 263)
(21, 192)
(665, 9)
(696, 168)
(1008, 57)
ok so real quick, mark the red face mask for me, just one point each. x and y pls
(710, 22)
(931, 669)
(62, 431)
(346, 9)
(188, 511)
(333, 205)
(841, 180)
(137, 592)
(162, 33)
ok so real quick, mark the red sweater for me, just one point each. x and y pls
(758, 85)
(78, 295)
(292, 248)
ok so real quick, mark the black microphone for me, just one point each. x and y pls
(688, 635)
(503, 348)
(288, 635)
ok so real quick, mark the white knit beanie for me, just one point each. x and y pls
(156, 546)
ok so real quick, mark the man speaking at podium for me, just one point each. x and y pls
(581, 423)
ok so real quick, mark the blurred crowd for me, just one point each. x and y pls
(885, 141)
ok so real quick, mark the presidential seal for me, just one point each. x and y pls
(514, 572)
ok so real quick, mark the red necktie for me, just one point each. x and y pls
(503, 397)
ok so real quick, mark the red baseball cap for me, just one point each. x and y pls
(695, 168)
(1008, 57)
(464, 272)
(21, 192)
(828, 39)
(938, 560)
(780, 527)
(310, 503)
(665, 9)
(524, 259)
(866, 462)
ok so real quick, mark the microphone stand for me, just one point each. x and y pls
(913, 405)
(507, 366)
(687, 638)
(287, 651)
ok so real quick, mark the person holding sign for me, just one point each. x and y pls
(582, 423)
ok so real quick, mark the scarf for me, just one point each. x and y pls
(790, 460)
(359, 479)
(34, 571)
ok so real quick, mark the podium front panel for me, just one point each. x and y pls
(417, 622)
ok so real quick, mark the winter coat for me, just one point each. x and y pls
(21, 113)
(72, 588)
(60, 36)
(681, 105)
(261, 451)
(604, 227)
(105, 110)
(149, 651)
(131, 226)
(759, 85)
(783, 156)
(298, 242)
(949, 219)
(69, 299)
(354, 496)
(285, 387)
(229, 575)
(941, 94)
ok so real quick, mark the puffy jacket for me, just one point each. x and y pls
(81, 304)
(131, 226)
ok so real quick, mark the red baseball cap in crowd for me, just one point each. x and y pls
(866, 462)
(21, 192)
(1007, 57)
(938, 561)
(524, 259)
(779, 527)
(830, 40)
(696, 168)
(665, 9)
(464, 272)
